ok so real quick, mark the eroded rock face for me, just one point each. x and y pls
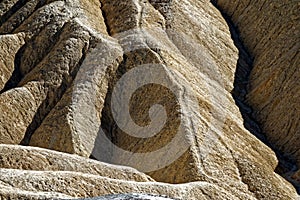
(9, 47)
(270, 32)
(47, 70)
(85, 185)
(146, 84)
(38, 173)
(32, 158)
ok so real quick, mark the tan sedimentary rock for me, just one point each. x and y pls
(48, 70)
(9, 192)
(77, 184)
(33, 158)
(42, 86)
(209, 157)
(72, 99)
(270, 30)
(9, 46)
(72, 125)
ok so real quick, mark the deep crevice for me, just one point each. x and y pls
(39, 5)
(41, 114)
(104, 15)
(241, 80)
(12, 11)
(47, 49)
(16, 76)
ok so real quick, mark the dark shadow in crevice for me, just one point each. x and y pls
(241, 79)
(104, 15)
(50, 102)
(18, 23)
(43, 111)
(16, 76)
(12, 11)
(239, 92)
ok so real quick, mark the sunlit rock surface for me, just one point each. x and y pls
(141, 84)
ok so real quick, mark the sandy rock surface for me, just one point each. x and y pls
(156, 91)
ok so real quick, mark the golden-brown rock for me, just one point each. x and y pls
(212, 154)
(145, 84)
(270, 30)
(47, 71)
(77, 184)
(33, 158)
(71, 126)
(9, 47)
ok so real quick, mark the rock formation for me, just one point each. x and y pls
(146, 85)
(270, 31)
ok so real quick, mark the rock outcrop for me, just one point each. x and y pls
(33, 158)
(270, 31)
(73, 184)
(143, 84)
(9, 46)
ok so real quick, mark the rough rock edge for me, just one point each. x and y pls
(56, 161)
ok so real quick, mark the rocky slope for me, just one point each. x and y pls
(270, 31)
(142, 84)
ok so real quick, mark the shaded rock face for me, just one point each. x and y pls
(270, 31)
(142, 84)
(10, 45)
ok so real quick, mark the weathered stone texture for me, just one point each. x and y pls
(73, 59)
(48, 70)
(86, 185)
(9, 47)
(270, 30)
(33, 158)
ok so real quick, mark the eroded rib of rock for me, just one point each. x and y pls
(44, 86)
(270, 31)
(87, 185)
(72, 125)
(49, 70)
(39, 159)
(9, 47)
(215, 133)
(72, 93)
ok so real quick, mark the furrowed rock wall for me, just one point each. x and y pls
(137, 84)
(270, 31)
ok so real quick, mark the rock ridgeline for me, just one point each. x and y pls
(92, 78)
(270, 31)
